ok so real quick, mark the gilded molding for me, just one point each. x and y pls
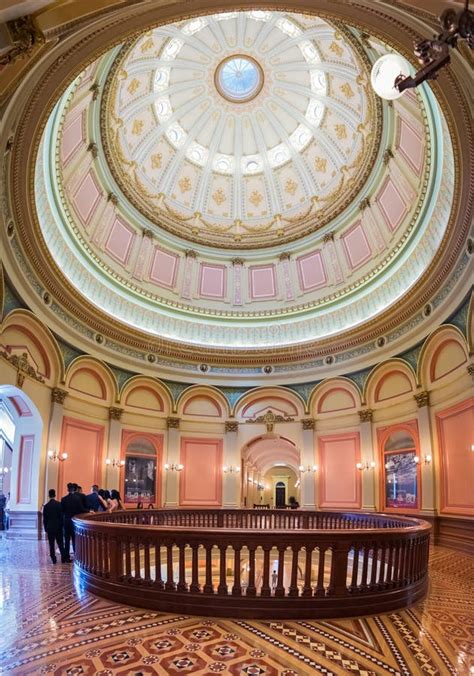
(308, 423)
(25, 36)
(58, 395)
(172, 423)
(366, 415)
(231, 426)
(115, 413)
(23, 367)
(270, 419)
(422, 398)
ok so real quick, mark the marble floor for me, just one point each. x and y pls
(49, 625)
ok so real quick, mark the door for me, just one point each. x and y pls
(280, 494)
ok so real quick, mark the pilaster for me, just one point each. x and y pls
(112, 474)
(428, 497)
(171, 487)
(369, 477)
(58, 397)
(308, 491)
(231, 480)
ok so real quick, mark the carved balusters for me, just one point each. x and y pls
(147, 567)
(222, 588)
(307, 589)
(320, 591)
(237, 587)
(194, 587)
(208, 587)
(355, 570)
(169, 584)
(294, 591)
(182, 586)
(251, 589)
(138, 574)
(265, 590)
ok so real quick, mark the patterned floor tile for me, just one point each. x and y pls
(50, 625)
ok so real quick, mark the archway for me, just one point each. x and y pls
(21, 428)
(280, 494)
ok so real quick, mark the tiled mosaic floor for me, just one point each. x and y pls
(50, 626)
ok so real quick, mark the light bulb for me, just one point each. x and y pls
(64, 456)
(416, 459)
(50, 454)
(384, 73)
(301, 468)
(108, 461)
(359, 465)
(372, 464)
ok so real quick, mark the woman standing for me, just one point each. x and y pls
(115, 502)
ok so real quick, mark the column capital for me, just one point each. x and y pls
(58, 395)
(308, 423)
(231, 426)
(366, 415)
(470, 369)
(190, 253)
(284, 256)
(238, 261)
(328, 237)
(115, 413)
(172, 423)
(422, 398)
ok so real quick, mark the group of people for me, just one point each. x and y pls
(58, 516)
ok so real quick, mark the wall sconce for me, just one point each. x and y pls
(426, 459)
(472, 448)
(114, 463)
(366, 465)
(231, 469)
(174, 467)
(308, 468)
(57, 457)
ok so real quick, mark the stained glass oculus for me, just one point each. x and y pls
(239, 78)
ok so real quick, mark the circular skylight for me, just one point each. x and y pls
(239, 78)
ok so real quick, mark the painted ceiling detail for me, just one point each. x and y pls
(241, 129)
(127, 250)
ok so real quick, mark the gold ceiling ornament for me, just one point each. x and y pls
(172, 423)
(231, 426)
(219, 197)
(24, 35)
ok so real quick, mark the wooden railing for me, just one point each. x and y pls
(254, 564)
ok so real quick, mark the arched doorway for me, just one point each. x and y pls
(21, 429)
(280, 494)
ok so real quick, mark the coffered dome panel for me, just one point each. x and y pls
(243, 129)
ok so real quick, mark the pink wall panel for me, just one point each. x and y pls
(71, 138)
(356, 246)
(83, 442)
(262, 282)
(339, 479)
(311, 273)
(455, 428)
(25, 477)
(391, 204)
(119, 241)
(411, 146)
(200, 482)
(164, 268)
(212, 281)
(86, 198)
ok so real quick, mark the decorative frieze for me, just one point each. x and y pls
(172, 423)
(366, 415)
(58, 395)
(115, 413)
(422, 398)
(231, 426)
(308, 423)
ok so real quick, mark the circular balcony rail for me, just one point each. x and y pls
(254, 563)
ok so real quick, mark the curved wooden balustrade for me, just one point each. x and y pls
(254, 564)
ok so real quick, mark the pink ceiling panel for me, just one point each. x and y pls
(262, 282)
(119, 241)
(411, 147)
(311, 273)
(212, 281)
(356, 246)
(164, 268)
(71, 138)
(86, 198)
(391, 204)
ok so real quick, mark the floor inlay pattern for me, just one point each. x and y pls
(50, 625)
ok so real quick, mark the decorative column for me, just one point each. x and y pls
(426, 452)
(112, 473)
(58, 397)
(286, 274)
(238, 266)
(171, 493)
(232, 478)
(145, 251)
(186, 289)
(332, 261)
(308, 459)
(369, 477)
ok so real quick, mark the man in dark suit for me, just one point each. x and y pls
(72, 504)
(53, 525)
(93, 501)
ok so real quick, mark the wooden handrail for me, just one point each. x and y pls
(254, 563)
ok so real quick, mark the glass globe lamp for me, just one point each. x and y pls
(384, 73)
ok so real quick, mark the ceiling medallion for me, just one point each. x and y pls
(239, 78)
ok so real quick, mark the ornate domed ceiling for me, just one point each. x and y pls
(241, 129)
(227, 189)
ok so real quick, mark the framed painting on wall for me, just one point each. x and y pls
(140, 479)
(401, 480)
